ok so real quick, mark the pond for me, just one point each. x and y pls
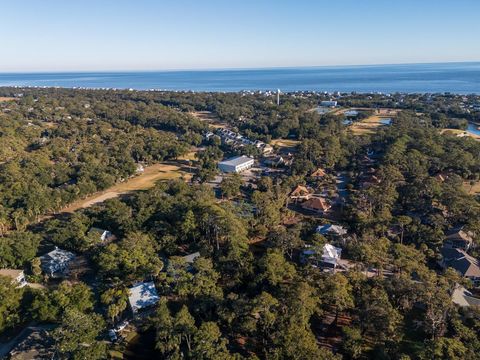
(473, 128)
(385, 121)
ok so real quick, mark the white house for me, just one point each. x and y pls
(329, 258)
(236, 164)
(17, 276)
(142, 295)
(56, 261)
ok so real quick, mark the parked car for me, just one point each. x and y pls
(121, 326)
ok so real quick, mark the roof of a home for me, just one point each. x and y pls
(459, 234)
(463, 297)
(97, 230)
(462, 262)
(316, 203)
(237, 160)
(190, 258)
(330, 251)
(330, 228)
(318, 173)
(143, 295)
(12, 273)
(58, 255)
(300, 190)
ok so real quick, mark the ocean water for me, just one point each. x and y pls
(462, 78)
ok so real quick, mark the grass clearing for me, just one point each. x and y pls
(6, 99)
(472, 188)
(285, 143)
(207, 116)
(368, 125)
(157, 172)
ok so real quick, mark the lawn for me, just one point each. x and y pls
(285, 143)
(146, 180)
(5, 99)
(207, 116)
(368, 125)
(472, 189)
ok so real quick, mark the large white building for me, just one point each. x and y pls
(236, 164)
(328, 103)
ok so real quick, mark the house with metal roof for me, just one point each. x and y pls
(458, 238)
(142, 295)
(328, 259)
(56, 262)
(330, 229)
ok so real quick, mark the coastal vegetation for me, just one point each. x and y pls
(248, 291)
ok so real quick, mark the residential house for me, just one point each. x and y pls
(464, 298)
(464, 264)
(17, 276)
(317, 204)
(330, 256)
(318, 174)
(457, 238)
(328, 260)
(300, 193)
(56, 262)
(142, 295)
(274, 161)
(329, 229)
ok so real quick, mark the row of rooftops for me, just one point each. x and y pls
(231, 137)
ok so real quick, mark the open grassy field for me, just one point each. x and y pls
(5, 99)
(146, 180)
(368, 125)
(472, 188)
(285, 143)
(210, 118)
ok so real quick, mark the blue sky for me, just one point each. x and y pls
(54, 35)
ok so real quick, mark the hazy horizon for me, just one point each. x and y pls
(147, 35)
(240, 68)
